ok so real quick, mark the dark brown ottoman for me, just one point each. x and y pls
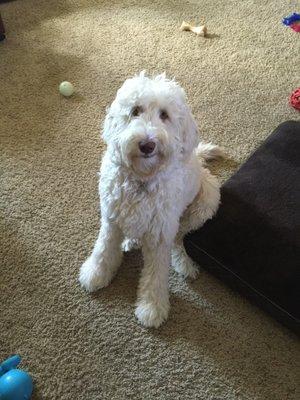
(253, 243)
(2, 30)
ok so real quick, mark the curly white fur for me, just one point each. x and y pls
(153, 199)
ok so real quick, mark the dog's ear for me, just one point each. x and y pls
(107, 129)
(191, 137)
(160, 77)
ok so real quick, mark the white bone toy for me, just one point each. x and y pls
(198, 30)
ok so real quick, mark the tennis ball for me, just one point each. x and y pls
(66, 89)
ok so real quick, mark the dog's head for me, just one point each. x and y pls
(149, 124)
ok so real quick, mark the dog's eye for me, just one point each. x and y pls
(163, 115)
(136, 111)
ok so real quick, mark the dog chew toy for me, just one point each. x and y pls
(293, 21)
(198, 30)
(15, 384)
(295, 99)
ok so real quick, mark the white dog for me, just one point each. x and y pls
(153, 190)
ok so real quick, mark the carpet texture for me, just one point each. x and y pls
(215, 345)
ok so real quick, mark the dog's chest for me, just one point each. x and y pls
(144, 207)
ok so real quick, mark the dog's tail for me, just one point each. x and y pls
(209, 152)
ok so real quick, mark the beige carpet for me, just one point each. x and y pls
(215, 344)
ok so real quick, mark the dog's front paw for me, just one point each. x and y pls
(185, 266)
(152, 315)
(93, 276)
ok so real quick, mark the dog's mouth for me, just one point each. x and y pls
(147, 165)
(148, 155)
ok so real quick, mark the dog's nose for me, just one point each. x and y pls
(147, 147)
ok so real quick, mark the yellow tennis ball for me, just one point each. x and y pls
(66, 89)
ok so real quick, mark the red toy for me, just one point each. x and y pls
(295, 27)
(295, 99)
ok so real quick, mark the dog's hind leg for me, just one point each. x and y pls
(203, 207)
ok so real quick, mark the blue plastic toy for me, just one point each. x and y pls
(15, 384)
(291, 19)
